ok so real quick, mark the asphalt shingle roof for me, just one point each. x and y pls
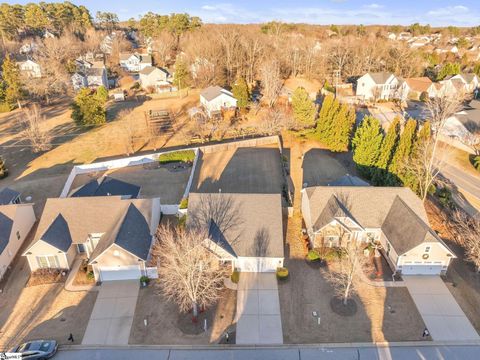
(58, 234)
(380, 77)
(107, 186)
(6, 224)
(7, 195)
(213, 92)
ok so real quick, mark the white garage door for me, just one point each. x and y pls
(120, 273)
(421, 269)
(258, 264)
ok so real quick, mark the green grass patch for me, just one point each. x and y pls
(177, 156)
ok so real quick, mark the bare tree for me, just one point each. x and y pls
(271, 81)
(191, 276)
(467, 230)
(129, 129)
(31, 118)
(274, 121)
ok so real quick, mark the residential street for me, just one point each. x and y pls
(462, 180)
(294, 353)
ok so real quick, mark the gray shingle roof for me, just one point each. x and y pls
(380, 77)
(58, 234)
(7, 195)
(107, 186)
(216, 235)
(404, 229)
(470, 117)
(213, 92)
(258, 224)
(6, 224)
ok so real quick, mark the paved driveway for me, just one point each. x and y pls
(112, 315)
(258, 310)
(442, 315)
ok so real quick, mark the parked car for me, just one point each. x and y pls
(37, 349)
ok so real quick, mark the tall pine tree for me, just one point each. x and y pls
(13, 84)
(389, 143)
(342, 129)
(404, 149)
(241, 93)
(366, 145)
(303, 107)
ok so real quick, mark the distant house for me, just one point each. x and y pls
(156, 78)
(464, 125)
(116, 235)
(28, 67)
(392, 217)
(16, 221)
(470, 81)
(135, 62)
(89, 74)
(216, 98)
(452, 87)
(9, 196)
(107, 186)
(378, 86)
(253, 240)
(412, 88)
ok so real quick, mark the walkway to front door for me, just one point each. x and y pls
(258, 310)
(112, 315)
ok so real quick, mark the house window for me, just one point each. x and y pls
(48, 262)
(427, 249)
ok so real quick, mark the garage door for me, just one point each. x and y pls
(120, 273)
(421, 269)
(258, 264)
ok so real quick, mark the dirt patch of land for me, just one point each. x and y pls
(383, 314)
(164, 320)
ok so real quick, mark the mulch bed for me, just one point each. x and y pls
(189, 327)
(339, 308)
(47, 276)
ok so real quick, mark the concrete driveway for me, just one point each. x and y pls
(258, 310)
(112, 315)
(442, 315)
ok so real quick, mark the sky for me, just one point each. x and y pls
(403, 12)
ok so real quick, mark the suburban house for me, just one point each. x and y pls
(464, 125)
(9, 196)
(28, 67)
(452, 87)
(216, 98)
(114, 234)
(156, 78)
(135, 62)
(90, 74)
(412, 88)
(377, 86)
(16, 221)
(107, 186)
(393, 217)
(251, 240)
(470, 81)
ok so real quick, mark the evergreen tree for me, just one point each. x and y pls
(241, 93)
(13, 85)
(88, 109)
(303, 107)
(182, 75)
(342, 129)
(325, 123)
(381, 176)
(366, 145)
(102, 93)
(404, 148)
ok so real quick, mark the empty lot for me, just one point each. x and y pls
(243, 170)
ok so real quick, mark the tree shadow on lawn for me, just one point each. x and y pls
(383, 314)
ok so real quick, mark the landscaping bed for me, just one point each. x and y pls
(184, 156)
(84, 275)
(47, 276)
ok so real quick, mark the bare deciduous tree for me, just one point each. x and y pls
(467, 230)
(271, 81)
(274, 121)
(190, 274)
(31, 118)
(129, 129)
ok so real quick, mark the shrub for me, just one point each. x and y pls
(135, 86)
(177, 156)
(313, 255)
(424, 96)
(282, 273)
(5, 107)
(184, 203)
(445, 197)
(235, 277)
(182, 221)
(90, 275)
(476, 162)
(144, 279)
(333, 254)
(3, 169)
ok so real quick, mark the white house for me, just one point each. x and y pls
(471, 81)
(115, 234)
(29, 68)
(464, 125)
(16, 221)
(157, 78)
(249, 236)
(392, 217)
(216, 98)
(90, 74)
(412, 88)
(135, 62)
(378, 86)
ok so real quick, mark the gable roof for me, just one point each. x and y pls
(213, 92)
(367, 205)
(107, 186)
(470, 116)
(7, 195)
(131, 233)
(404, 229)
(349, 180)
(6, 225)
(150, 69)
(126, 56)
(58, 234)
(258, 223)
(380, 77)
(419, 84)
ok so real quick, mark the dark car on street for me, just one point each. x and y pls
(37, 349)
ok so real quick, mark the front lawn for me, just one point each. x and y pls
(186, 156)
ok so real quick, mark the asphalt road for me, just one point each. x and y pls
(465, 182)
(429, 352)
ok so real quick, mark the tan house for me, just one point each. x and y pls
(16, 221)
(393, 217)
(412, 88)
(115, 235)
